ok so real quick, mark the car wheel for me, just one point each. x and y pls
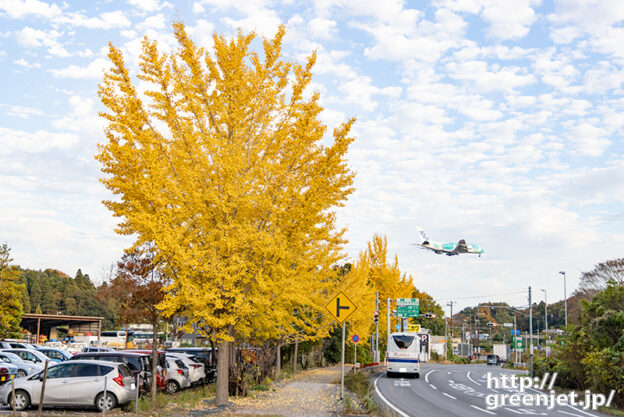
(105, 402)
(22, 400)
(389, 374)
(172, 387)
(417, 375)
(21, 373)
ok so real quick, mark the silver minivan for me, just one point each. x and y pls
(75, 383)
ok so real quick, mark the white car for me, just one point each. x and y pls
(76, 347)
(55, 345)
(75, 383)
(177, 375)
(31, 355)
(197, 371)
(23, 368)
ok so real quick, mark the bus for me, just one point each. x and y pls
(403, 357)
(117, 337)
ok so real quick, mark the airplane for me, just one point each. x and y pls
(448, 249)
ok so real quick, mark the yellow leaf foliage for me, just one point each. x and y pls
(219, 164)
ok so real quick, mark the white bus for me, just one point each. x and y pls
(116, 337)
(403, 357)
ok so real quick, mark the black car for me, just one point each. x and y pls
(204, 355)
(493, 360)
(138, 363)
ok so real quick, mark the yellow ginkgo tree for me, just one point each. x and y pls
(217, 162)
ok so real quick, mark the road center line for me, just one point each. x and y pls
(427, 375)
(581, 411)
(449, 395)
(481, 409)
(432, 386)
(401, 413)
(470, 378)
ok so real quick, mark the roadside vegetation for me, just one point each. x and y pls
(591, 354)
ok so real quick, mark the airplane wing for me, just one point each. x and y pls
(461, 247)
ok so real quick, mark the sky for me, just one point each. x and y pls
(493, 121)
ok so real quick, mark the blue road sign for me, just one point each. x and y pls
(511, 332)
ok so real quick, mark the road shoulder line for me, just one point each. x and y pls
(401, 413)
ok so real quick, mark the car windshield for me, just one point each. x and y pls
(491, 357)
(403, 341)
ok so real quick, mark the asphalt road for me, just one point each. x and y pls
(458, 390)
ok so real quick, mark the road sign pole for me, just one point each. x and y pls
(377, 329)
(354, 357)
(342, 365)
(531, 333)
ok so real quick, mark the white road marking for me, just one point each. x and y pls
(449, 395)
(432, 386)
(513, 411)
(449, 373)
(401, 413)
(468, 375)
(481, 409)
(581, 411)
(427, 375)
(570, 414)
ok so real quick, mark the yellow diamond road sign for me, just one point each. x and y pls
(340, 307)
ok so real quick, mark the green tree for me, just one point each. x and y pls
(11, 309)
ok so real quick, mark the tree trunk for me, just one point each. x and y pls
(295, 357)
(278, 365)
(154, 362)
(222, 394)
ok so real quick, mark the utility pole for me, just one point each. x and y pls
(450, 326)
(545, 312)
(565, 298)
(446, 338)
(515, 341)
(531, 335)
(388, 323)
(377, 329)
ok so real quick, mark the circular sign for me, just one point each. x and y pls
(355, 338)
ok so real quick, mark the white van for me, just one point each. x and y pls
(403, 357)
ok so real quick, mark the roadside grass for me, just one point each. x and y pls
(359, 383)
(611, 411)
(186, 399)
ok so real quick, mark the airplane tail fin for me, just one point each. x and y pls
(423, 236)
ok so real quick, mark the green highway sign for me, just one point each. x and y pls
(408, 307)
(517, 343)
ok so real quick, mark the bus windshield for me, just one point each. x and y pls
(403, 341)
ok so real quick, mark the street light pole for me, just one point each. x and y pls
(545, 312)
(565, 298)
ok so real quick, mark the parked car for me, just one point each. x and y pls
(197, 371)
(76, 347)
(205, 355)
(23, 368)
(7, 370)
(177, 375)
(83, 379)
(92, 349)
(493, 360)
(54, 345)
(138, 363)
(61, 355)
(161, 376)
(22, 345)
(31, 355)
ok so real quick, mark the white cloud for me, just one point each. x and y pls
(322, 28)
(94, 70)
(18, 9)
(589, 139)
(12, 140)
(23, 112)
(23, 63)
(34, 38)
(483, 79)
(152, 22)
